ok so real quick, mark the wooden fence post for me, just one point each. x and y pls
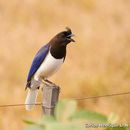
(50, 99)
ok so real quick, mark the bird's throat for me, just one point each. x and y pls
(58, 52)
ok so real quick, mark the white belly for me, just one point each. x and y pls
(49, 66)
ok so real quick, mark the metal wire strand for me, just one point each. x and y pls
(17, 105)
(81, 98)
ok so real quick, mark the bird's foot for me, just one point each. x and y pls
(46, 81)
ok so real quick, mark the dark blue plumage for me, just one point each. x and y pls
(37, 61)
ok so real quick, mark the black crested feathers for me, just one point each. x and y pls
(59, 43)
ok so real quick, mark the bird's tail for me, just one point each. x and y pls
(31, 99)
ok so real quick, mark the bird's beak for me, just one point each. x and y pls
(69, 36)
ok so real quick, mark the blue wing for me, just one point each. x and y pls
(37, 61)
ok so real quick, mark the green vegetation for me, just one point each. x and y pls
(67, 117)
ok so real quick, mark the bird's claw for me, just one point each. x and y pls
(48, 82)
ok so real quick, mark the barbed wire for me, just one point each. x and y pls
(82, 98)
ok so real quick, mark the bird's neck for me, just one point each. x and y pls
(58, 52)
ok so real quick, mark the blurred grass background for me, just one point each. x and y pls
(98, 64)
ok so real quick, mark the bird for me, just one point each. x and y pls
(46, 62)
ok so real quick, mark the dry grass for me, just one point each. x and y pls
(98, 64)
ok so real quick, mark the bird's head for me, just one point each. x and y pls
(64, 37)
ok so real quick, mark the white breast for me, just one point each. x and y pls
(49, 66)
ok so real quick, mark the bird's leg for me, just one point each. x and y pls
(49, 82)
(41, 81)
(44, 83)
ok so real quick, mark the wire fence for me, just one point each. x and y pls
(81, 99)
